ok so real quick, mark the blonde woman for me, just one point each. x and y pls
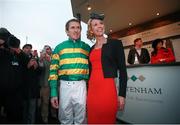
(106, 59)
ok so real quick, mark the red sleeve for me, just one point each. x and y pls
(154, 60)
(171, 57)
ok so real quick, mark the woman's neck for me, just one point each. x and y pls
(100, 41)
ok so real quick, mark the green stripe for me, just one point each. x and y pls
(73, 55)
(74, 66)
(53, 85)
(53, 72)
(74, 77)
(53, 61)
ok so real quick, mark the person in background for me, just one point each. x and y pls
(32, 94)
(106, 60)
(161, 54)
(13, 69)
(44, 62)
(69, 64)
(4, 70)
(4, 35)
(137, 54)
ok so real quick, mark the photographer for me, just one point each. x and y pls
(32, 79)
(15, 63)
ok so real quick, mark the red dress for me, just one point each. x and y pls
(102, 94)
(163, 54)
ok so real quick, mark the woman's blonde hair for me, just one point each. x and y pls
(90, 34)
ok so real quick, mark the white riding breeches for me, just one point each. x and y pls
(72, 102)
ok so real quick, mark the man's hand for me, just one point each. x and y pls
(16, 50)
(121, 101)
(35, 64)
(54, 102)
(30, 64)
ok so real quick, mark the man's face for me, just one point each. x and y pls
(139, 43)
(27, 50)
(74, 30)
(48, 51)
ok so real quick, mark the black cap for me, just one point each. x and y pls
(97, 16)
(4, 34)
(13, 42)
(27, 45)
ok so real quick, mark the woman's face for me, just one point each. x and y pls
(97, 27)
(159, 45)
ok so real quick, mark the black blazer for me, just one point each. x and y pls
(143, 58)
(113, 62)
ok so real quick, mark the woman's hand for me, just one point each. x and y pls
(121, 102)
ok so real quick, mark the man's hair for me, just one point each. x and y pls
(27, 45)
(72, 20)
(137, 39)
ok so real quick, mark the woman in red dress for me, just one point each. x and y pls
(106, 59)
(161, 54)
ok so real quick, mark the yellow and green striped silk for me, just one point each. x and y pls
(69, 62)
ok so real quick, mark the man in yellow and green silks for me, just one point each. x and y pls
(69, 66)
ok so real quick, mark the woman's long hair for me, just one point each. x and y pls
(90, 34)
(154, 46)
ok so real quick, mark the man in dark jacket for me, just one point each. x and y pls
(4, 69)
(13, 62)
(32, 79)
(137, 54)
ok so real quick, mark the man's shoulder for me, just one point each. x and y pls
(61, 44)
(144, 49)
(83, 42)
(132, 50)
(85, 45)
(115, 42)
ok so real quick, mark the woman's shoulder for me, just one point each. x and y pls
(169, 49)
(115, 42)
(163, 49)
(153, 53)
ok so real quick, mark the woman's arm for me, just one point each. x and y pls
(122, 68)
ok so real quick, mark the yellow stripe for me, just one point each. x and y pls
(53, 67)
(73, 71)
(74, 50)
(73, 60)
(53, 77)
(55, 56)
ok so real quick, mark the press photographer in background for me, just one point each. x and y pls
(12, 65)
(45, 61)
(32, 75)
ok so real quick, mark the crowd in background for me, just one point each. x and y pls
(24, 90)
